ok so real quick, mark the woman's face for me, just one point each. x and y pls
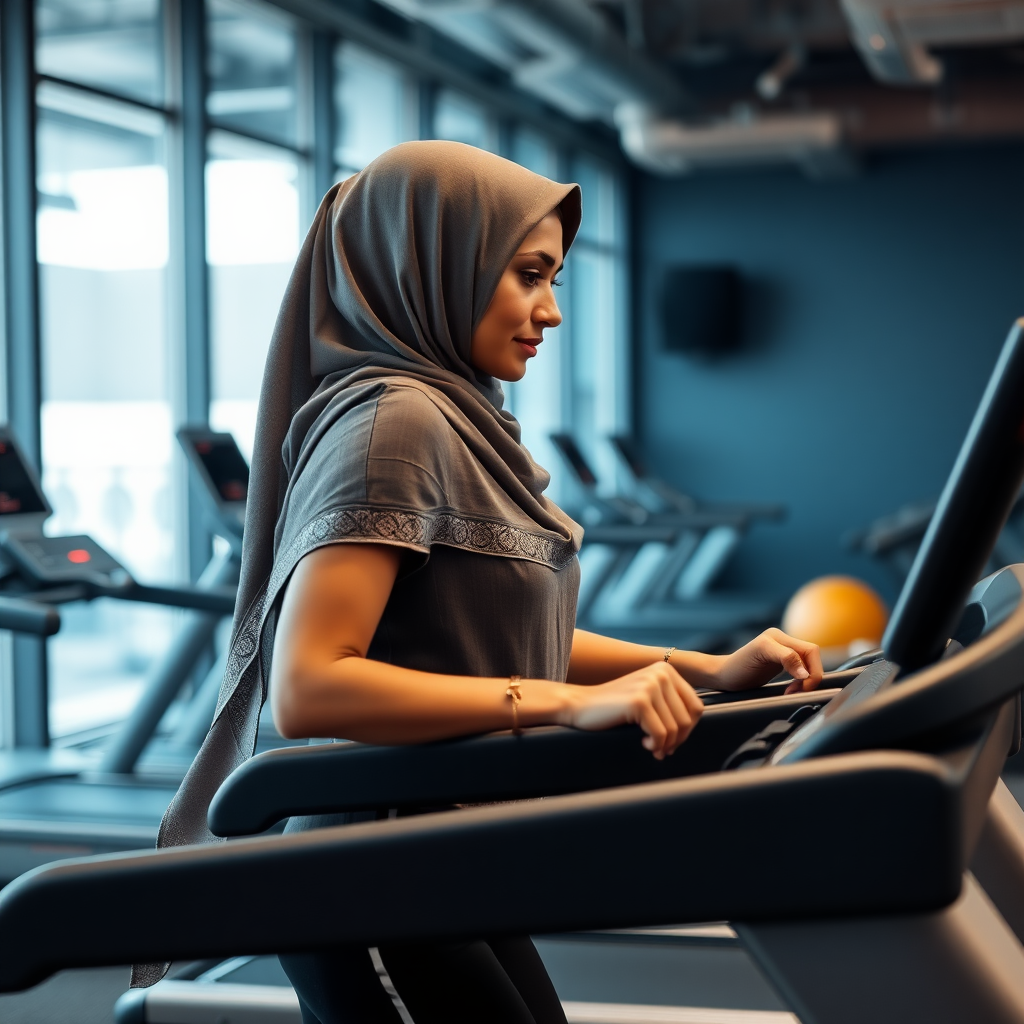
(523, 305)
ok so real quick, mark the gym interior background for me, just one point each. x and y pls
(162, 158)
(179, 151)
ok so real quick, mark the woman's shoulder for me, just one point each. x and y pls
(408, 420)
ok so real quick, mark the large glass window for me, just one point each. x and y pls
(255, 195)
(537, 399)
(250, 258)
(253, 66)
(461, 119)
(116, 46)
(106, 415)
(598, 387)
(374, 105)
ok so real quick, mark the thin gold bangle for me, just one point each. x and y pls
(513, 692)
(669, 652)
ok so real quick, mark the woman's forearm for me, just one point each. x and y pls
(373, 702)
(597, 659)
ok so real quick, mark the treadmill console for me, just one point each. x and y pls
(222, 468)
(50, 561)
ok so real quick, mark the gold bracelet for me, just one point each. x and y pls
(513, 692)
(669, 653)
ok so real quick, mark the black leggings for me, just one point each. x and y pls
(498, 981)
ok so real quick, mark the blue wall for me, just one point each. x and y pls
(875, 307)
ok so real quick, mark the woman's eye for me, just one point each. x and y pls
(557, 282)
(531, 277)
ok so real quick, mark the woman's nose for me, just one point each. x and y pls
(548, 313)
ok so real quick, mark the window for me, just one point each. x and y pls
(537, 400)
(255, 194)
(107, 426)
(374, 105)
(598, 385)
(117, 47)
(460, 119)
(253, 67)
(250, 259)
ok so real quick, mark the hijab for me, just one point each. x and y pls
(397, 270)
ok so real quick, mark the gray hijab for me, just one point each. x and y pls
(398, 268)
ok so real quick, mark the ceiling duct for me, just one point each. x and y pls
(569, 55)
(562, 51)
(812, 141)
(893, 36)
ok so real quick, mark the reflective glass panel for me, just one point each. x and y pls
(250, 259)
(599, 378)
(106, 416)
(110, 44)
(536, 400)
(253, 66)
(374, 103)
(460, 119)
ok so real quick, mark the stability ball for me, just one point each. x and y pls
(841, 614)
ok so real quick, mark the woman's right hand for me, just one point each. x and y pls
(656, 698)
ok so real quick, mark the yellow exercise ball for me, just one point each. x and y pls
(841, 614)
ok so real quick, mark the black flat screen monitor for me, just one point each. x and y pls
(971, 512)
(20, 494)
(221, 465)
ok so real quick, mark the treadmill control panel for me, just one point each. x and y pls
(54, 560)
(19, 494)
(225, 466)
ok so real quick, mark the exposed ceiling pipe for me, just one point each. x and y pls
(813, 141)
(893, 36)
(568, 54)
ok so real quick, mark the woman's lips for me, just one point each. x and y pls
(529, 345)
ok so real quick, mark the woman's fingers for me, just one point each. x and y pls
(686, 708)
(652, 724)
(802, 660)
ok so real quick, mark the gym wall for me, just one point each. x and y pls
(873, 311)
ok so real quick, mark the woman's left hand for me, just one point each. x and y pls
(765, 657)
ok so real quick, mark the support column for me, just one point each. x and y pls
(29, 695)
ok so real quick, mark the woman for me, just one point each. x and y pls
(402, 566)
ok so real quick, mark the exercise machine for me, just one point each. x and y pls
(645, 571)
(859, 839)
(64, 802)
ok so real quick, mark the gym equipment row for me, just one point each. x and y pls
(857, 838)
(894, 539)
(652, 556)
(65, 802)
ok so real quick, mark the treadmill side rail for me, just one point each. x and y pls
(684, 851)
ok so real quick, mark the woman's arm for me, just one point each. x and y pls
(322, 683)
(596, 659)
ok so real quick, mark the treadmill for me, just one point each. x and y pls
(839, 840)
(647, 572)
(58, 803)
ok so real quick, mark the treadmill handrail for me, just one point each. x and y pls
(547, 761)
(25, 616)
(433, 875)
(217, 600)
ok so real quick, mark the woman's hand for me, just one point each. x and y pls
(765, 657)
(655, 697)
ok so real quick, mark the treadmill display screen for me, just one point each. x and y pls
(18, 494)
(226, 467)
